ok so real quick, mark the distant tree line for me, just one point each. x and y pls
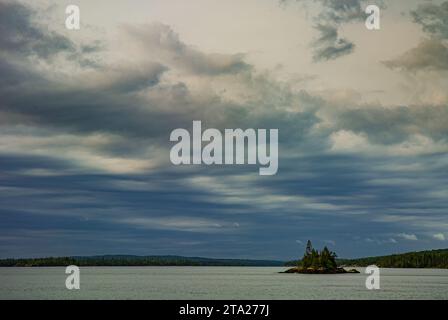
(418, 259)
(312, 258)
(133, 261)
(40, 262)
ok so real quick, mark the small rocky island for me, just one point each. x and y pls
(315, 262)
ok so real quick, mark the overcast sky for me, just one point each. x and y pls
(85, 119)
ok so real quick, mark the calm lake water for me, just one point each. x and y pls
(218, 283)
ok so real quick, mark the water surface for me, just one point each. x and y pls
(218, 283)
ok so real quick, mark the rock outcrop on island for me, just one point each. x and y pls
(319, 270)
(315, 262)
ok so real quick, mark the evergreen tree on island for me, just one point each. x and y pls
(314, 261)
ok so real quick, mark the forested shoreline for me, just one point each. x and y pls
(136, 261)
(418, 259)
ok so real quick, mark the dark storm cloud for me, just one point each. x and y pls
(395, 125)
(13, 75)
(87, 110)
(22, 36)
(109, 98)
(19, 35)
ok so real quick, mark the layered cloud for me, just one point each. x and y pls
(84, 146)
(431, 53)
(406, 236)
(439, 236)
